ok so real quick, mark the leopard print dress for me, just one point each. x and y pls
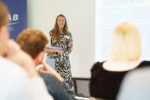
(62, 62)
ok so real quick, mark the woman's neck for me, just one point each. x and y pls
(60, 30)
(120, 65)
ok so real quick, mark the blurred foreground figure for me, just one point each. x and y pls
(136, 85)
(19, 81)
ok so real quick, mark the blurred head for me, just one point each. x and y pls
(4, 35)
(60, 23)
(33, 42)
(126, 43)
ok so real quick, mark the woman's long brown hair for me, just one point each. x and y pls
(55, 31)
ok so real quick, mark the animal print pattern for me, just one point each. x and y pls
(62, 61)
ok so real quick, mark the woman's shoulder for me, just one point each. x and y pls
(50, 32)
(145, 63)
(96, 69)
(96, 66)
(69, 33)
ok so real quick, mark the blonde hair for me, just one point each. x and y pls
(125, 43)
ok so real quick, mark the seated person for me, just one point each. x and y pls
(33, 42)
(136, 85)
(125, 52)
(18, 80)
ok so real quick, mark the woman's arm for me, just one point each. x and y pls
(70, 47)
(54, 50)
(50, 50)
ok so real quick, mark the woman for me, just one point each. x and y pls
(125, 52)
(61, 37)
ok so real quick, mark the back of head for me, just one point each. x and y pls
(126, 43)
(32, 41)
(3, 14)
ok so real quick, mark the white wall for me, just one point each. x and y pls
(80, 15)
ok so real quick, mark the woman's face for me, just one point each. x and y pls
(61, 22)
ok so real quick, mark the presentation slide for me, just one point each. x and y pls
(110, 13)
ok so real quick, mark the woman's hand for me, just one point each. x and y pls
(70, 44)
(70, 47)
(60, 51)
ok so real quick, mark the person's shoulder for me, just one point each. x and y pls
(47, 76)
(136, 82)
(49, 79)
(12, 74)
(10, 67)
(96, 66)
(69, 33)
(96, 69)
(145, 63)
(139, 74)
(51, 32)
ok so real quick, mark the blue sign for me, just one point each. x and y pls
(18, 16)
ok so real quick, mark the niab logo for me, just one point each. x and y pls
(14, 19)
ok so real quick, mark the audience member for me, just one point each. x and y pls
(125, 51)
(33, 42)
(136, 85)
(18, 80)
